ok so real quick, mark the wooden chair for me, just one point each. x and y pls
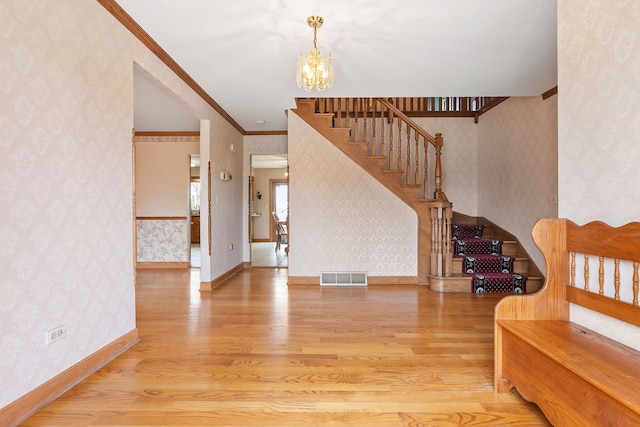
(281, 231)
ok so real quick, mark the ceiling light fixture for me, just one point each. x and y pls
(315, 71)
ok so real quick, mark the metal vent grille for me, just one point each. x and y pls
(343, 278)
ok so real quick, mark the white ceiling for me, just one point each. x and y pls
(243, 52)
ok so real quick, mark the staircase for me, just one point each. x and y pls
(397, 153)
(483, 249)
(490, 270)
(388, 145)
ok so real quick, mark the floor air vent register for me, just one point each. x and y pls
(346, 278)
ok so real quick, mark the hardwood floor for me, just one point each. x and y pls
(255, 352)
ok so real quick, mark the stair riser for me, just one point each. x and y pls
(460, 284)
(520, 265)
(509, 248)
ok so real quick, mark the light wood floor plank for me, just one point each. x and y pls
(256, 352)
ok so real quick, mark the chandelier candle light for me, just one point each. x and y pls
(315, 71)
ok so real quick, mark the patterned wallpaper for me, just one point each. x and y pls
(503, 168)
(459, 160)
(599, 123)
(341, 218)
(65, 174)
(162, 240)
(518, 166)
(66, 79)
(227, 215)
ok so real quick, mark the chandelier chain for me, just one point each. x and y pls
(315, 39)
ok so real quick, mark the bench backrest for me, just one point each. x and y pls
(602, 263)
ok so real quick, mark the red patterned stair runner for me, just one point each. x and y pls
(490, 271)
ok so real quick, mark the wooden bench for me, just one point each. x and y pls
(576, 376)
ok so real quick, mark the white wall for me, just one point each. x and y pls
(599, 123)
(518, 166)
(341, 218)
(65, 173)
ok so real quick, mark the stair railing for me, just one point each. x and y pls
(397, 138)
(388, 133)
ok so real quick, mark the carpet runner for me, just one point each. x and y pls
(490, 271)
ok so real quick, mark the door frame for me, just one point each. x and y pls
(272, 190)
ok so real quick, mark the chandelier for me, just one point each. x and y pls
(315, 71)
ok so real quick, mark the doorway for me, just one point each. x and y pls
(194, 211)
(268, 192)
(279, 203)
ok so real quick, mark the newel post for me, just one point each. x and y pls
(438, 194)
(441, 246)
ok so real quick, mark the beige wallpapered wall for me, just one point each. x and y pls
(65, 173)
(459, 160)
(504, 167)
(599, 124)
(518, 166)
(66, 78)
(341, 218)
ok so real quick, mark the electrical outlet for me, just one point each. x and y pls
(56, 333)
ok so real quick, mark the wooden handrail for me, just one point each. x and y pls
(413, 164)
(407, 120)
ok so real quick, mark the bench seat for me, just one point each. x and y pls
(571, 361)
(576, 376)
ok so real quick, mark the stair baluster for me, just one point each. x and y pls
(382, 151)
(356, 126)
(416, 175)
(408, 173)
(374, 148)
(399, 165)
(438, 194)
(391, 157)
(425, 181)
(347, 119)
(365, 131)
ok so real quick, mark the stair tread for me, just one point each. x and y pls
(515, 258)
(493, 269)
(345, 131)
(495, 275)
